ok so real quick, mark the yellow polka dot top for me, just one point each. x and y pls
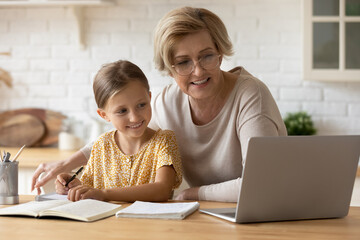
(108, 167)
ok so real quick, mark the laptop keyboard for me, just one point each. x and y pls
(228, 214)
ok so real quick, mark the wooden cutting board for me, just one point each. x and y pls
(51, 120)
(21, 129)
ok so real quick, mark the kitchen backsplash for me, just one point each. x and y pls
(51, 71)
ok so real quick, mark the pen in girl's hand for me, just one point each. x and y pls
(74, 176)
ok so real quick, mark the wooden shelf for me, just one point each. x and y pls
(75, 5)
(29, 3)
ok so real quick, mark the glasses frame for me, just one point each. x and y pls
(194, 65)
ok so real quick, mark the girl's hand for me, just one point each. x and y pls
(61, 181)
(50, 170)
(84, 192)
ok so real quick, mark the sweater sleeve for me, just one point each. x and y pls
(86, 150)
(258, 126)
(229, 191)
(223, 192)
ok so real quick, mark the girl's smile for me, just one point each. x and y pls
(129, 111)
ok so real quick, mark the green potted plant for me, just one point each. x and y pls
(299, 123)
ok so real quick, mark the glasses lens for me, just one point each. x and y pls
(185, 67)
(209, 61)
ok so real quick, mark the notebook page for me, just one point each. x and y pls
(87, 209)
(32, 208)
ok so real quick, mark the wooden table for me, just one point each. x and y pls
(197, 226)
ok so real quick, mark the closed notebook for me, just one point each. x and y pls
(50, 196)
(87, 210)
(141, 209)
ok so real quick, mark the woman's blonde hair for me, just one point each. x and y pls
(113, 77)
(183, 21)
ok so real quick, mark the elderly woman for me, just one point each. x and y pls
(212, 112)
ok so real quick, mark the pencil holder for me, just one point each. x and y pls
(9, 182)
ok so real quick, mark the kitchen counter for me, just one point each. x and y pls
(32, 157)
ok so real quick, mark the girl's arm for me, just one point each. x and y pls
(158, 191)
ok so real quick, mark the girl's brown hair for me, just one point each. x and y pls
(113, 77)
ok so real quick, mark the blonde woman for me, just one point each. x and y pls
(212, 112)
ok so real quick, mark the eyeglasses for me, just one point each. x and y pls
(207, 62)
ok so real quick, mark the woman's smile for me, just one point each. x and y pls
(200, 82)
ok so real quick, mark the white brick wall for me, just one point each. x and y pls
(51, 71)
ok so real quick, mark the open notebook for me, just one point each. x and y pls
(87, 210)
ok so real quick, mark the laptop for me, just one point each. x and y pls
(295, 178)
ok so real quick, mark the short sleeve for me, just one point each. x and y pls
(170, 155)
(87, 177)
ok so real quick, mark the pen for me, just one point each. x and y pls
(7, 157)
(17, 155)
(74, 176)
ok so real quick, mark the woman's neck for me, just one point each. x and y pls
(129, 145)
(204, 111)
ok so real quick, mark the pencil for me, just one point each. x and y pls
(18, 154)
(74, 176)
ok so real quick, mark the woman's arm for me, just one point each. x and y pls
(158, 191)
(51, 170)
(222, 192)
(228, 191)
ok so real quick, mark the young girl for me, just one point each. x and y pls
(132, 162)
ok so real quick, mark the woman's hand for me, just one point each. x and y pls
(61, 181)
(189, 194)
(84, 192)
(51, 170)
